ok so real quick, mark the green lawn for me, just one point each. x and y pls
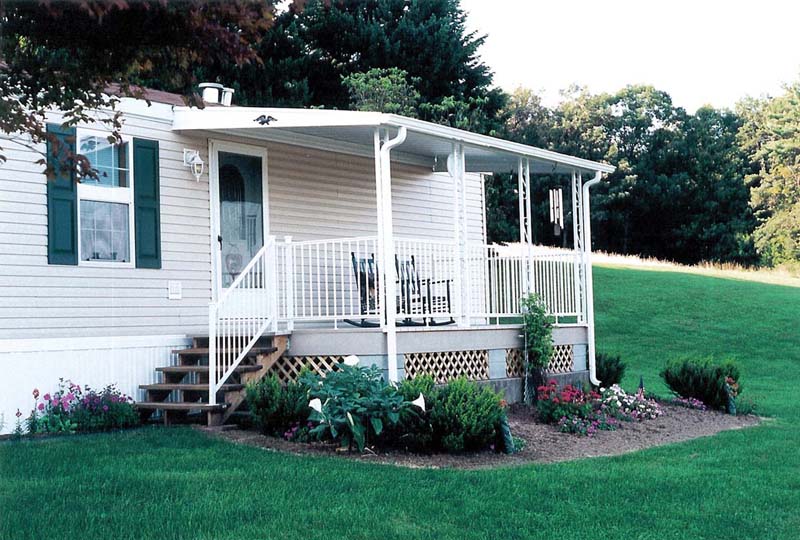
(155, 483)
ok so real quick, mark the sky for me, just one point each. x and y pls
(700, 52)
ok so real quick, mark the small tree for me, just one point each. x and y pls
(538, 334)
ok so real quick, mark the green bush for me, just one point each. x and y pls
(353, 404)
(610, 369)
(702, 379)
(277, 407)
(464, 416)
(413, 432)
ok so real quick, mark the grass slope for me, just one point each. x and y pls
(155, 483)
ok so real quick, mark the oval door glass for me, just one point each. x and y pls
(241, 212)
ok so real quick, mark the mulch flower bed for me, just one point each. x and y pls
(544, 443)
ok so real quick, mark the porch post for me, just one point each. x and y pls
(577, 246)
(525, 221)
(386, 267)
(379, 221)
(456, 166)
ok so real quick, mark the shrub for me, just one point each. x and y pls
(464, 416)
(277, 408)
(610, 369)
(704, 379)
(72, 408)
(413, 431)
(352, 404)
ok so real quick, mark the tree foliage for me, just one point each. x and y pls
(383, 90)
(311, 56)
(678, 192)
(68, 55)
(770, 136)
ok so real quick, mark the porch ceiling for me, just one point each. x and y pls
(427, 144)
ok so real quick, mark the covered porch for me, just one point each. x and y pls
(395, 283)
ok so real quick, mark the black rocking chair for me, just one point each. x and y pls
(415, 295)
(365, 271)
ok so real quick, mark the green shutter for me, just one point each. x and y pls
(146, 203)
(62, 198)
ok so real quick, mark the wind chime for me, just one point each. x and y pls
(557, 210)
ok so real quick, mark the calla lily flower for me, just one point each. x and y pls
(351, 360)
(316, 404)
(420, 402)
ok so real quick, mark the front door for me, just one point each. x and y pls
(241, 220)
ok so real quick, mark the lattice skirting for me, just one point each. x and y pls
(562, 361)
(287, 368)
(445, 366)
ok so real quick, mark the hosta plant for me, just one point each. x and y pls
(353, 405)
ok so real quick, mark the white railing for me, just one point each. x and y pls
(329, 280)
(499, 277)
(338, 280)
(428, 281)
(243, 312)
(555, 277)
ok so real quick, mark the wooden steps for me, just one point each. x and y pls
(179, 406)
(188, 386)
(183, 391)
(203, 368)
(203, 351)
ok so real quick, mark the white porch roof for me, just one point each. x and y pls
(427, 144)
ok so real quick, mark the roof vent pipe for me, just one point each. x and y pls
(227, 96)
(212, 92)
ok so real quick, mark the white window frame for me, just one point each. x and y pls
(108, 194)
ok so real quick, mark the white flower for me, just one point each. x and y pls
(316, 404)
(351, 360)
(419, 402)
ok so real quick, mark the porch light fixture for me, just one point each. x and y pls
(192, 159)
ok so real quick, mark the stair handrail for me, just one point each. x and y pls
(236, 324)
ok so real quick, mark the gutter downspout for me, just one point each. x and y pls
(390, 287)
(587, 262)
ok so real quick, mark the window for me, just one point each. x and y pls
(105, 202)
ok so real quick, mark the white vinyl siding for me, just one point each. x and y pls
(319, 195)
(312, 195)
(40, 300)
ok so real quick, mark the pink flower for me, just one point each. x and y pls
(19, 413)
(55, 402)
(70, 396)
(41, 406)
(35, 393)
(105, 408)
(47, 397)
(64, 403)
